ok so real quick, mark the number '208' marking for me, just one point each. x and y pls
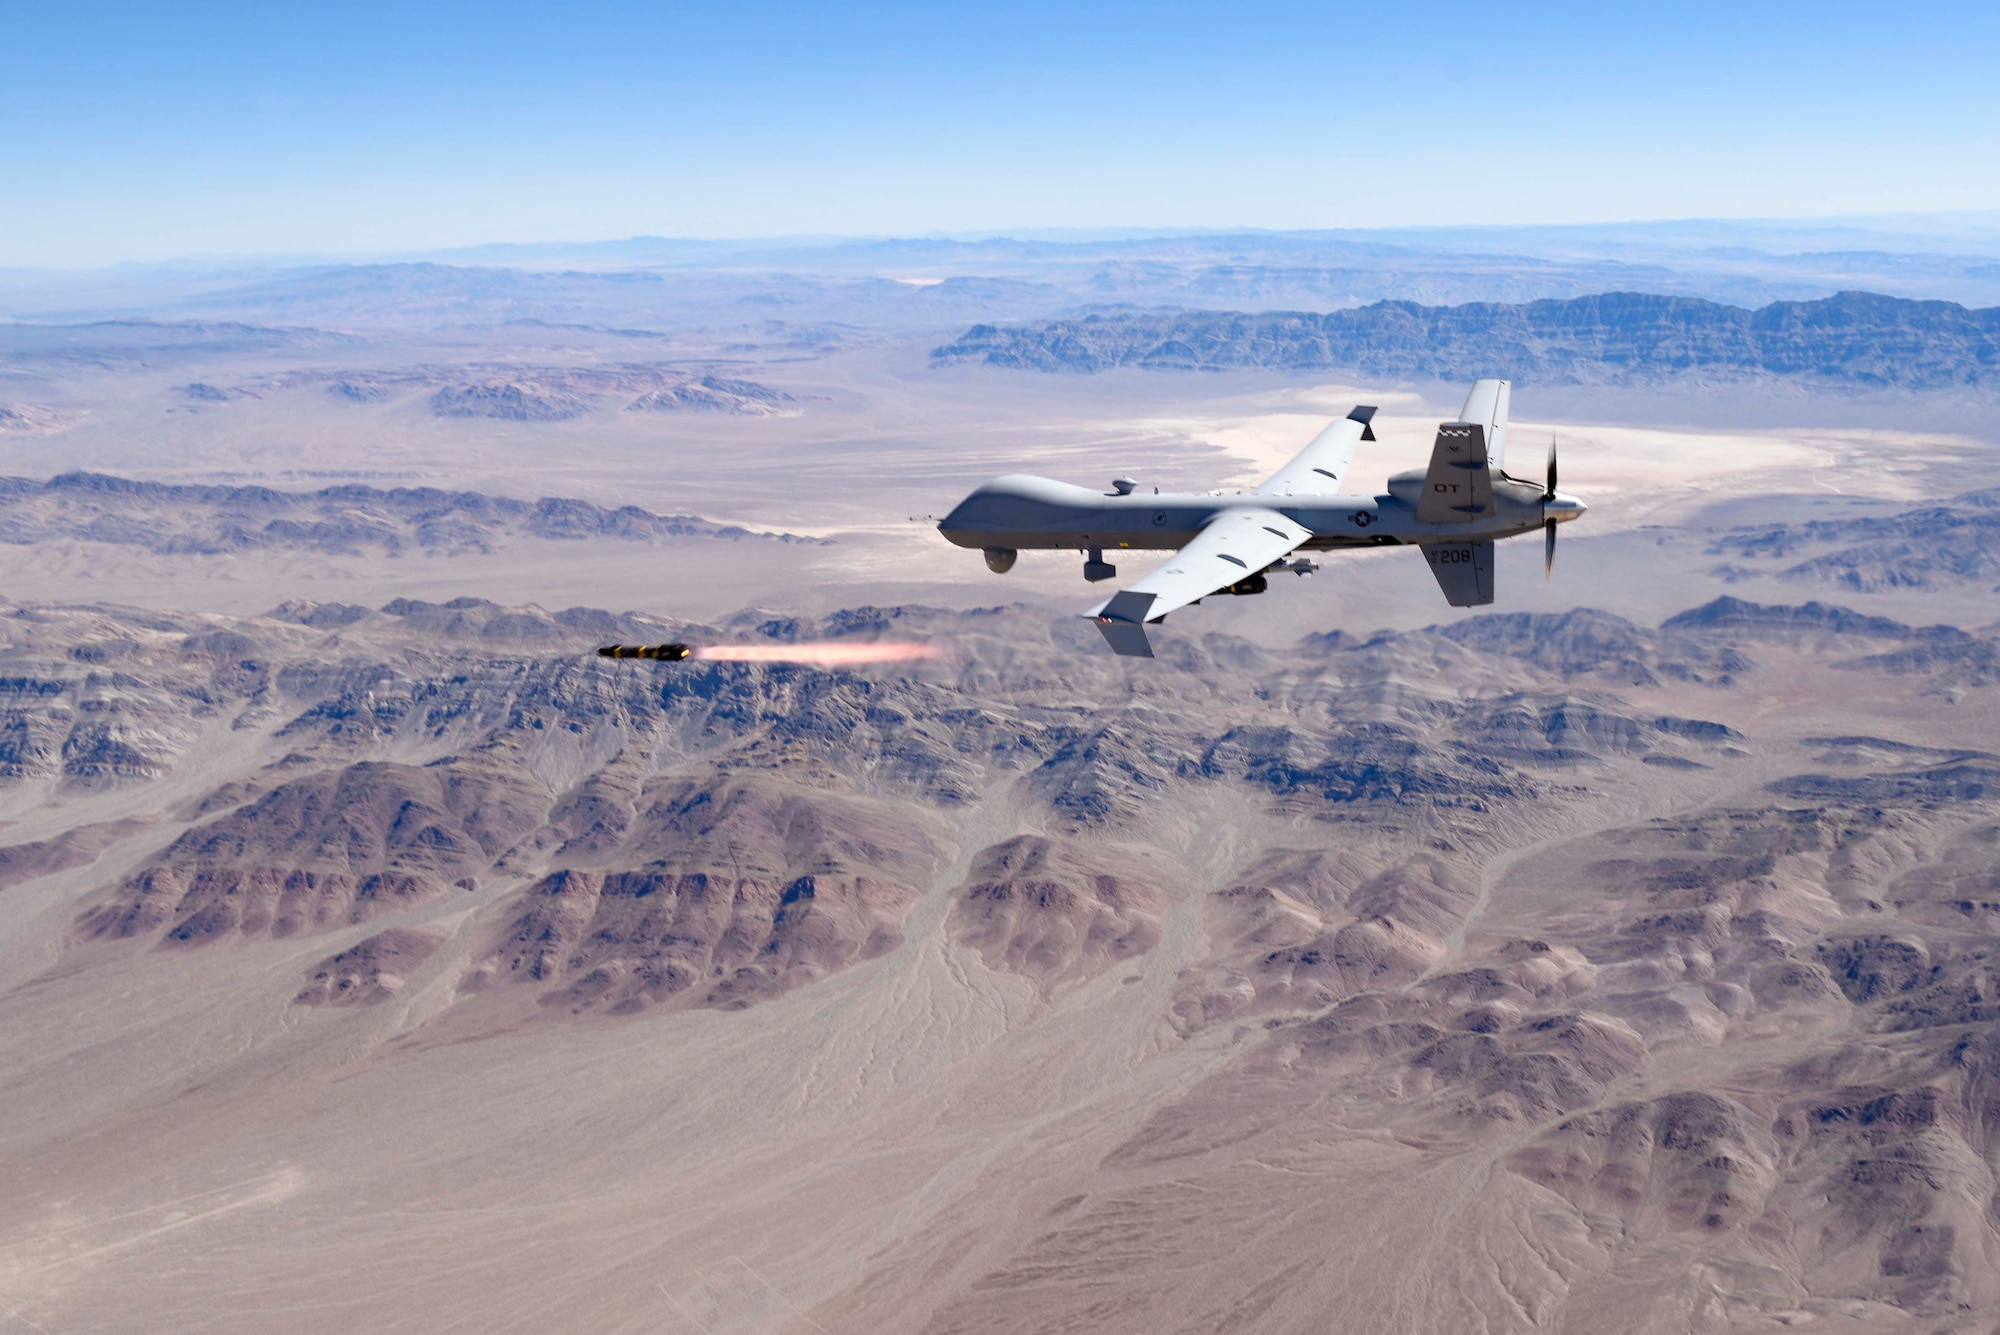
(1451, 556)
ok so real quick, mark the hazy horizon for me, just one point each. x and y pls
(1966, 231)
(1983, 218)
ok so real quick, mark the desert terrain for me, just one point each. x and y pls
(374, 956)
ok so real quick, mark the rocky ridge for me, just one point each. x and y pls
(557, 395)
(28, 418)
(1855, 339)
(1939, 544)
(190, 519)
(460, 800)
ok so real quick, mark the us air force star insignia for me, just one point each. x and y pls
(1362, 519)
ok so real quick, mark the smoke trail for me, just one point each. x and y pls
(817, 655)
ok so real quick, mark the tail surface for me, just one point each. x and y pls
(1486, 408)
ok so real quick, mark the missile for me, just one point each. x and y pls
(667, 653)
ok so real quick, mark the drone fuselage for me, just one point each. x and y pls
(1024, 512)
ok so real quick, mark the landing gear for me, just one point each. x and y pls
(1097, 568)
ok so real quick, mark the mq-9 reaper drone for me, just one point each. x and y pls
(1229, 543)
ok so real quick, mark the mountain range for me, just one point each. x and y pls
(1624, 338)
(198, 519)
(1728, 1033)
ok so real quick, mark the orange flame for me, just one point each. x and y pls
(817, 655)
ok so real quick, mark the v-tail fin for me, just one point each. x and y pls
(1458, 488)
(1464, 571)
(1486, 408)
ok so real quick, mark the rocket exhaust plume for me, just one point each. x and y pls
(816, 655)
(825, 655)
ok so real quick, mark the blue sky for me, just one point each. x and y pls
(147, 133)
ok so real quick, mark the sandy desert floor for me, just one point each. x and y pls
(881, 447)
(1454, 978)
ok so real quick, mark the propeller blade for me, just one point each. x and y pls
(1550, 493)
(1549, 550)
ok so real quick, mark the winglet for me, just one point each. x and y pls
(1364, 413)
(1122, 618)
(1128, 605)
(1125, 638)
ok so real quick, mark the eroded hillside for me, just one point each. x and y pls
(1537, 968)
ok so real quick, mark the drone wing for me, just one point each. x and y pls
(1320, 466)
(1237, 544)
